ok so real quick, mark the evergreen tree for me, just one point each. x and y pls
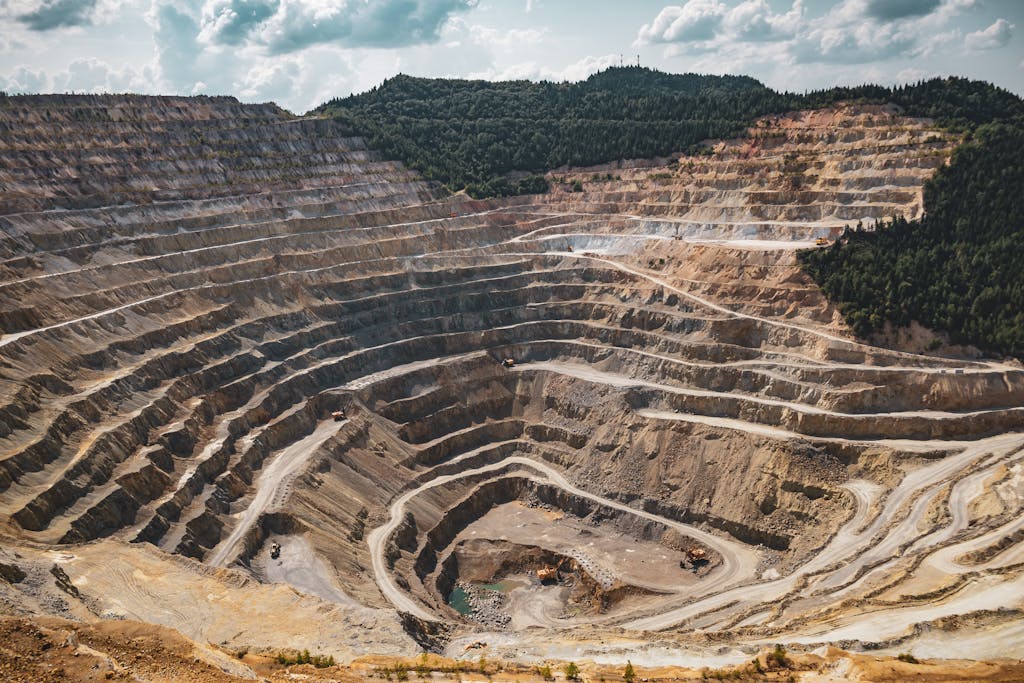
(496, 138)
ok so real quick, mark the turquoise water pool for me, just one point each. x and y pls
(459, 600)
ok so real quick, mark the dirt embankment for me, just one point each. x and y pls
(56, 651)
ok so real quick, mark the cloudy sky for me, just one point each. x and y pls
(302, 52)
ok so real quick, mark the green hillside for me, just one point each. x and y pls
(490, 137)
(960, 270)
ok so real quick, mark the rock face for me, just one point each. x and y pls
(222, 324)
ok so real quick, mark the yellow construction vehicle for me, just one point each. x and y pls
(547, 574)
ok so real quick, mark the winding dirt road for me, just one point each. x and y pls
(739, 561)
(282, 468)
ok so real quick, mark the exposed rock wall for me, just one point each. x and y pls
(220, 323)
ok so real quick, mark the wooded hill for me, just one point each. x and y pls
(488, 137)
(961, 269)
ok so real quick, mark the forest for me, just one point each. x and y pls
(958, 270)
(498, 138)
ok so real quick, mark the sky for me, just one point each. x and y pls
(300, 53)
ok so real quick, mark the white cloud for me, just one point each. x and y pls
(457, 52)
(178, 52)
(708, 25)
(582, 69)
(933, 45)
(754, 20)
(25, 80)
(284, 26)
(509, 39)
(996, 35)
(912, 75)
(299, 82)
(94, 76)
(87, 75)
(696, 20)
(577, 71)
(270, 80)
(229, 22)
(851, 32)
(854, 42)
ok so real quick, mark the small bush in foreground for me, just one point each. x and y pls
(319, 661)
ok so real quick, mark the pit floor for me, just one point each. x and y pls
(605, 552)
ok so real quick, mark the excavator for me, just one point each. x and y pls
(550, 572)
(547, 574)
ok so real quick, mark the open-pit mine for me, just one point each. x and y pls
(260, 385)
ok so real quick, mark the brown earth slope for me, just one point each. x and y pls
(225, 329)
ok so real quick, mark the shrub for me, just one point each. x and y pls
(304, 657)
(422, 670)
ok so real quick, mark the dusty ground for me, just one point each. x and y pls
(58, 651)
(615, 560)
(614, 556)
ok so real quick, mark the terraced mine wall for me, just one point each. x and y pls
(224, 327)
